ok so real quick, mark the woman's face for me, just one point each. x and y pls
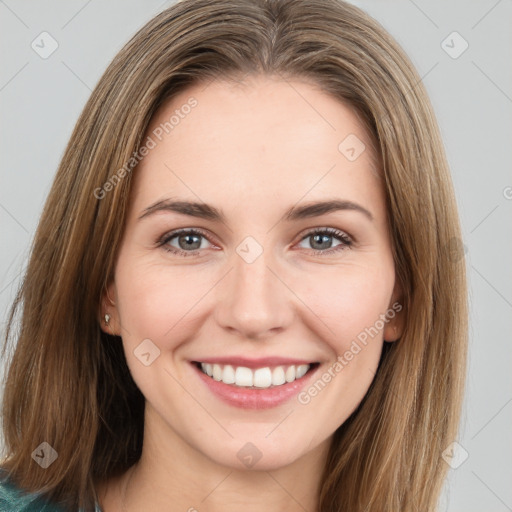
(265, 280)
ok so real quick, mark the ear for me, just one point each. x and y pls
(108, 307)
(395, 315)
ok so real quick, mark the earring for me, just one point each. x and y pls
(107, 319)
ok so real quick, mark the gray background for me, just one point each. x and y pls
(40, 100)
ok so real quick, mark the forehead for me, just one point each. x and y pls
(264, 136)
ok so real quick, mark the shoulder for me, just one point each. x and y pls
(14, 499)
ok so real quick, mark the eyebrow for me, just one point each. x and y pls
(208, 212)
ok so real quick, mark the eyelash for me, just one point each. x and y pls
(343, 237)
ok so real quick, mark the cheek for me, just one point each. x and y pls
(349, 301)
(156, 301)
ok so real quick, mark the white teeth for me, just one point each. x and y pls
(301, 370)
(278, 376)
(228, 375)
(259, 378)
(290, 374)
(207, 368)
(217, 372)
(243, 376)
(263, 378)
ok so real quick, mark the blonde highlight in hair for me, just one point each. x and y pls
(68, 383)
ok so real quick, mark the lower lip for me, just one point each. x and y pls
(247, 398)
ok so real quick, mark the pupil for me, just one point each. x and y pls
(190, 242)
(324, 237)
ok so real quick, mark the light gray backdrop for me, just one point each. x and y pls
(463, 51)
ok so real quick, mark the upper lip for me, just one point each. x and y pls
(254, 363)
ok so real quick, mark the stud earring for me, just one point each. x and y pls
(107, 319)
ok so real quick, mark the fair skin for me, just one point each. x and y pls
(253, 151)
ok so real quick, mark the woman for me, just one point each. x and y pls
(187, 342)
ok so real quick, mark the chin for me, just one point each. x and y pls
(256, 453)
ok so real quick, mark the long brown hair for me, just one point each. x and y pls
(68, 383)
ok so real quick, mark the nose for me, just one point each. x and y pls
(254, 301)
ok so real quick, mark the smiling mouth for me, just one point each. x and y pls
(258, 378)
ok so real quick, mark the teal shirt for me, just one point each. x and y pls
(13, 499)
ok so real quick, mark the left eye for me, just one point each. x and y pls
(189, 241)
(321, 237)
